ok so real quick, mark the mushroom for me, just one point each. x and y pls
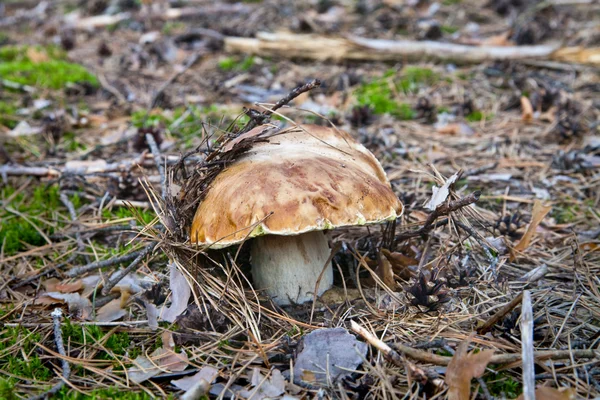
(283, 193)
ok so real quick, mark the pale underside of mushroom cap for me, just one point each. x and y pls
(300, 179)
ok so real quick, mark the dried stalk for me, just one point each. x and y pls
(443, 209)
(527, 347)
(66, 368)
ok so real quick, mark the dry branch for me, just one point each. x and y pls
(489, 324)
(364, 49)
(66, 368)
(527, 352)
(443, 209)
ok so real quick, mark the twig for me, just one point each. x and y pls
(387, 351)
(48, 271)
(260, 118)
(443, 209)
(527, 347)
(158, 162)
(489, 324)
(122, 273)
(66, 368)
(102, 264)
(16, 86)
(106, 85)
(189, 63)
(65, 200)
(424, 356)
(367, 49)
(509, 358)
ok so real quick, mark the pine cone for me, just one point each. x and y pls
(126, 186)
(361, 116)
(510, 225)
(426, 110)
(428, 294)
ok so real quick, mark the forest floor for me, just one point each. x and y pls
(82, 84)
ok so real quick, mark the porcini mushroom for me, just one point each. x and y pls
(284, 193)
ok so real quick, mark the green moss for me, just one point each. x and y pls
(415, 77)
(30, 367)
(7, 111)
(173, 26)
(104, 394)
(15, 231)
(7, 389)
(235, 64)
(475, 116)
(118, 343)
(71, 142)
(503, 385)
(405, 112)
(449, 29)
(48, 74)
(565, 214)
(380, 93)
(143, 216)
(54, 72)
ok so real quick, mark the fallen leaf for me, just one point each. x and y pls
(69, 287)
(78, 305)
(463, 367)
(548, 393)
(209, 374)
(440, 194)
(24, 129)
(180, 295)
(526, 110)
(274, 386)
(36, 56)
(385, 272)
(161, 360)
(170, 361)
(152, 314)
(142, 370)
(457, 128)
(537, 215)
(332, 350)
(499, 40)
(113, 310)
(133, 283)
(401, 263)
(50, 284)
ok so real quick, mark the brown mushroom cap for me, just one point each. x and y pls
(302, 179)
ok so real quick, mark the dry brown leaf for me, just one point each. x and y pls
(79, 306)
(50, 284)
(36, 56)
(69, 287)
(537, 215)
(463, 367)
(498, 40)
(548, 393)
(400, 263)
(458, 128)
(180, 294)
(385, 272)
(526, 110)
(578, 54)
(111, 311)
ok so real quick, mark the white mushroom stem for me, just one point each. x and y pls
(288, 267)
